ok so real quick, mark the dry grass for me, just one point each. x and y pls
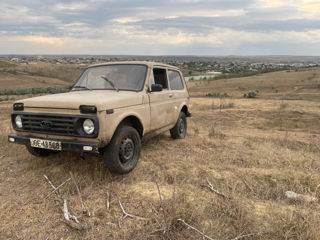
(241, 149)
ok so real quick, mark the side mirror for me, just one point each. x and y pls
(156, 88)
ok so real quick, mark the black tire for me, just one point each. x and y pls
(39, 152)
(179, 131)
(123, 152)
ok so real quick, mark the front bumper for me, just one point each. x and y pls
(67, 145)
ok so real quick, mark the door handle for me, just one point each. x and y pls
(170, 94)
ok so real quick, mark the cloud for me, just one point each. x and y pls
(160, 27)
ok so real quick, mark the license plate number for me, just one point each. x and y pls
(46, 144)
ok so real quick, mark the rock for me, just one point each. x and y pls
(301, 197)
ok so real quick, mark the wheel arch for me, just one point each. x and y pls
(185, 109)
(133, 121)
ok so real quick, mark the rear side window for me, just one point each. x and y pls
(175, 80)
(160, 77)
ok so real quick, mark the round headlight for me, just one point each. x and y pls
(18, 121)
(88, 126)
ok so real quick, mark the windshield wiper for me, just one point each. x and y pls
(84, 87)
(111, 83)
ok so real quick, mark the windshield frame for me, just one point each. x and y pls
(119, 89)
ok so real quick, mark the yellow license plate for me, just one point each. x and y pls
(46, 144)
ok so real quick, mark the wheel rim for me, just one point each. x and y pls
(181, 126)
(127, 149)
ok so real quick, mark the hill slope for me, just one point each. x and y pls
(250, 150)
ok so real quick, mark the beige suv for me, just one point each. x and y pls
(108, 111)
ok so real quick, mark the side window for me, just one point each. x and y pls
(175, 80)
(160, 77)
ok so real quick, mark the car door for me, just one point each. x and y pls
(161, 109)
(178, 91)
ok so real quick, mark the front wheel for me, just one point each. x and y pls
(123, 152)
(179, 130)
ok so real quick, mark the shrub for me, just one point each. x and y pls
(251, 94)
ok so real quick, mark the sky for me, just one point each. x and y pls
(160, 27)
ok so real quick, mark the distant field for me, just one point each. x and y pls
(37, 75)
(304, 85)
(251, 150)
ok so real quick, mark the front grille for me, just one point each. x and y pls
(55, 124)
(49, 124)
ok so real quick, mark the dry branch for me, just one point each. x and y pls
(57, 188)
(210, 186)
(71, 220)
(301, 197)
(125, 215)
(2, 156)
(193, 228)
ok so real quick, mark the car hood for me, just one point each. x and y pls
(102, 99)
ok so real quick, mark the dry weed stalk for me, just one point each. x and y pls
(84, 210)
(247, 185)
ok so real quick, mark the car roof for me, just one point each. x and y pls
(149, 64)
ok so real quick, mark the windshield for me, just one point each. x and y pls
(113, 77)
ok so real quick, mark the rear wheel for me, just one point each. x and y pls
(39, 152)
(123, 152)
(179, 130)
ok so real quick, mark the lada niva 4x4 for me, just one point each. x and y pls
(107, 111)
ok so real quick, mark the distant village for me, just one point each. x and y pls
(192, 65)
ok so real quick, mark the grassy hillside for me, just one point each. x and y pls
(251, 151)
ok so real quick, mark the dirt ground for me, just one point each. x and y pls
(250, 150)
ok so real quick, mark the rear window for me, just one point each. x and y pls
(175, 80)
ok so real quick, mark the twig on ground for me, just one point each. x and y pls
(84, 210)
(55, 189)
(159, 193)
(210, 186)
(45, 176)
(248, 235)
(3, 156)
(193, 228)
(125, 215)
(108, 200)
